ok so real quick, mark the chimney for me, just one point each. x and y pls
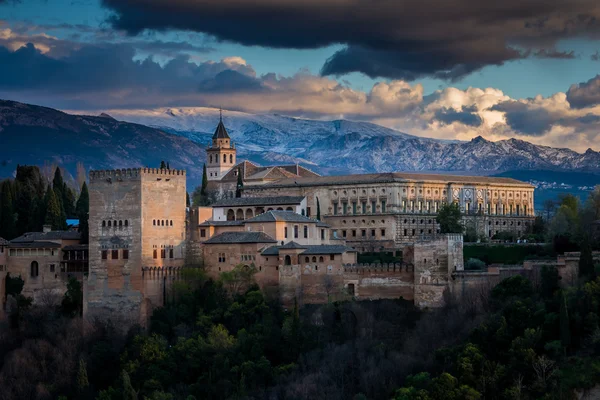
(47, 228)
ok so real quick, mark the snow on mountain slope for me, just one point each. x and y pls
(342, 145)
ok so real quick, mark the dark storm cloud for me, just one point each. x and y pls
(467, 116)
(524, 119)
(84, 71)
(384, 38)
(585, 94)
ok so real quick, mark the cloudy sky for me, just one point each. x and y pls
(526, 69)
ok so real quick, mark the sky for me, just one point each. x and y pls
(525, 69)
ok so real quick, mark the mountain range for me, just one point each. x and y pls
(127, 138)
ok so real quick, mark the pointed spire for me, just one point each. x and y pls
(220, 114)
(220, 132)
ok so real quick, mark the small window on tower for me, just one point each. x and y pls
(115, 254)
(125, 254)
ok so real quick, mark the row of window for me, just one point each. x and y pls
(162, 222)
(421, 232)
(115, 223)
(114, 254)
(32, 252)
(224, 159)
(345, 209)
(363, 233)
(163, 253)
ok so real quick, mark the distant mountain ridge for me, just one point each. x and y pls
(342, 146)
(33, 135)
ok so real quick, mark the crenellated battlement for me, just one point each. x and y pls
(133, 173)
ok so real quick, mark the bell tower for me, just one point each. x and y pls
(220, 154)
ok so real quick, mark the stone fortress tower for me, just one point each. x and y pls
(137, 221)
(220, 154)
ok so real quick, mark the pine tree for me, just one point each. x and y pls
(58, 182)
(7, 213)
(163, 165)
(240, 184)
(128, 391)
(82, 210)
(68, 201)
(318, 210)
(82, 377)
(168, 166)
(565, 329)
(53, 212)
(204, 181)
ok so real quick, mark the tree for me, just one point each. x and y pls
(549, 207)
(168, 166)
(240, 184)
(187, 199)
(54, 216)
(82, 378)
(449, 218)
(239, 278)
(163, 165)
(7, 213)
(318, 210)
(586, 261)
(128, 392)
(72, 303)
(204, 181)
(82, 209)
(565, 329)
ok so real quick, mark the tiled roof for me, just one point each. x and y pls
(222, 223)
(241, 237)
(322, 224)
(251, 171)
(77, 247)
(310, 250)
(293, 245)
(220, 132)
(327, 249)
(389, 177)
(41, 236)
(259, 201)
(34, 245)
(277, 215)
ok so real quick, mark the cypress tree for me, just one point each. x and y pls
(187, 199)
(58, 182)
(204, 181)
(318, 210)
(168, 166)
(53, 212)
(128, 391)
(240, 184)
(68, 201)
(163, 165)
(586, 261)
(82, 378)
(565, 329)
(83, 209)
(7, 213)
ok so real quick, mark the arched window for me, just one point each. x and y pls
(230, 215)
(306, 259)
(321, 259)
(231, 158)
(120, 223)
(239, 215)
(224, 158)
(287, 260)
(34, 269)
(289, 209)
(126, 222)
(314, 259)
(115, 223)
(103, 224)
(171, 222)
(154, 222)
(210, 159)
(109, 224)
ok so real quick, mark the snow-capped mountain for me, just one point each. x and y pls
(343, 146)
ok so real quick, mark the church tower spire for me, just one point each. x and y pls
(221, 154)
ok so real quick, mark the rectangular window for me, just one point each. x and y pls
(496, 209)
(435, 207)
(383, 233)
(525, 210)
(373, 206)
(125, 254)
(511, 209)
(322, 234)
(202, 232)
(296, 231)
(518, 210)
(412, 206)
(345, 208)
(285, 232)
(413, 232)
(305, 231)
(406, 232)
(170, 253)
(468, 207)
(428, 206)
(51, 267)
(489, 208)
(104, 254)
(155, 254)
(115, 254)
(353, 232)
(332, 257)
(404, 205)
(335, 208)
(420, 206)
(363, 232)
(382, 205)
(308, 211)
(344, 233)
(372, 232)
(364, 207)
(163, 253)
